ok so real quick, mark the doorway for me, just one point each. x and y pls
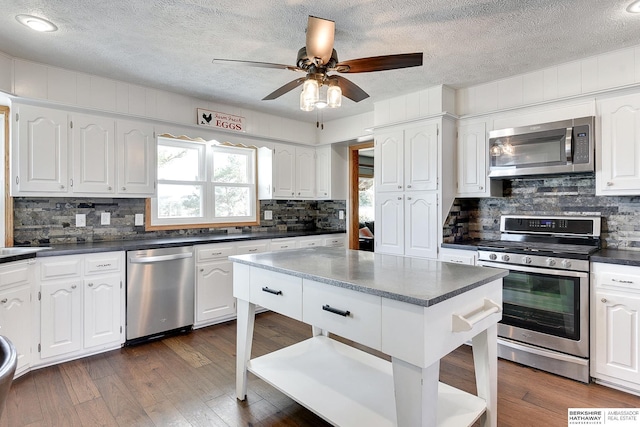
(361, 208)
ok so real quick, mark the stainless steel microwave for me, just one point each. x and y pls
(551, 148)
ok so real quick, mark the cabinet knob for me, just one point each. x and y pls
(399, 187)
(202, 270)
(408, 186)
(124, 188)
(293, 194)
(109, 188)
(62, 187)
(399, 198)
(481, 188)
(408, 198)
(91, 285)
(73, 286)
(4, 301)
(609, 183)
(603, 300)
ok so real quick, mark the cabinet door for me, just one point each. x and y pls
(388, 161)
(472, 159)
(284, 171)
(136, 148)
(60, 318)
(15, 321)
(389, 232)
(619, 147)
(305, 172)
(421, 157)
(214, 291)
(102, 310)
(420, 225)
(42, 141)
(93, 160)
(323, 172)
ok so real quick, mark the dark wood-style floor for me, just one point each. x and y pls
(189, 380)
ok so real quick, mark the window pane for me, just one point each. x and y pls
(232, 201)
(178, 163)
(230, 167)
(179, 201)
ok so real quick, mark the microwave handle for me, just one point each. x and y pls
(568, 145)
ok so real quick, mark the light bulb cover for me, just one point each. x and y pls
(311, 91)
(36, 23)
(334, 96)
(305, 106)
(634, 7)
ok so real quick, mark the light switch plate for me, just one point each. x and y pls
(105, 218)
(81, 220)
(340, 214)
(268, 215)
(139, 219)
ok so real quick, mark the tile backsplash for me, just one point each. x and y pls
(561, 195)
(42, 221)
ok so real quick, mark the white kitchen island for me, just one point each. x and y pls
(414, 310)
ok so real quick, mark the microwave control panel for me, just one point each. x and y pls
(581, 144)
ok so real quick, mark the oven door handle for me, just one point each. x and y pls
(462, 323)
(525, 269)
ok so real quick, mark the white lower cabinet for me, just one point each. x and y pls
(459, 256)
(81, 305)
(615, 326)
(214, 284)
(16, 309)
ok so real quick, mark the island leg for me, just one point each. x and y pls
(246, 318)
(485, 360)
(416, 392)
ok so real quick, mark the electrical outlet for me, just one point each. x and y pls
(105, 218)
(341, 214)
(81, 220)
(268, 215)
(139, 219)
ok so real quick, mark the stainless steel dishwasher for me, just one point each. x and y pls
(160, 292)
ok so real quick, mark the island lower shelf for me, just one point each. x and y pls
(348, 387)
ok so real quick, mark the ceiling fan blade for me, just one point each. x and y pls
(380, 63)
(284, 89)
(350, 89)
(320, 34)
(256, 64)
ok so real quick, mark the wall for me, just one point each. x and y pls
(41, 222)
(566, 195)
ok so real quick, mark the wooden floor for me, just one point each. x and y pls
(190, 381)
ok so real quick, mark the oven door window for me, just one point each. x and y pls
(542, 303)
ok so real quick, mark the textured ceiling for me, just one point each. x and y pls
(169, 44)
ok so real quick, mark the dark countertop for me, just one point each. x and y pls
(133, 245)
(422, 282)
(468, 245)
(617, 256)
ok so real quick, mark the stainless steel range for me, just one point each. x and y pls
(545, 322)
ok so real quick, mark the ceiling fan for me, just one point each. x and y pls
(318, 57)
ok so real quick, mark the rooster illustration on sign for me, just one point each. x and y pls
(206, 118)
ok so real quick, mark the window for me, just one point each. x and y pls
(204, 184)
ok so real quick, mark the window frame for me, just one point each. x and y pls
(208, 218)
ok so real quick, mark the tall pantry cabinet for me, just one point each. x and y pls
(413, 185)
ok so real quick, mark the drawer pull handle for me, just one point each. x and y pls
(4, 300)
(216, 253)
(271, 291)
(622, 281)
(330, 309)
(462, 323)
(252, 250)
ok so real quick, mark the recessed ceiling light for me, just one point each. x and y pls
(634, 7)
(35, 23)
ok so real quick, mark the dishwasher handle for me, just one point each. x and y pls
(159, 258)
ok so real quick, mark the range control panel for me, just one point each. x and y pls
(576, 226)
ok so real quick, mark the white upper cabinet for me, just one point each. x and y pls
(618, 148)
(136, 147)
(305, 181)
(60, 153)
(331, 172)
(473, 163)
(284, 170)
(421, 157)
(93, 154)
(389, 161)
(40, 140)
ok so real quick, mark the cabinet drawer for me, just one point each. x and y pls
(60, 267)
(310, 243)
(283, 244)
(252, 248)
(14, 275)
(103, 263)
(216, 251)
(334, 241)
(458, 256)
(350, 314)
(279, 292)
(616, 276)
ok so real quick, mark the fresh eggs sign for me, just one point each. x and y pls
(220, 120)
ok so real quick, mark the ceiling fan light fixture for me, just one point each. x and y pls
(634, 7)
(334, 96)
(304, 105)
(311, 91)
